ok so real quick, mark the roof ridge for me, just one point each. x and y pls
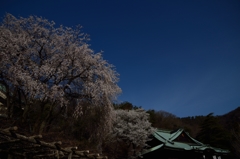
(176, 134)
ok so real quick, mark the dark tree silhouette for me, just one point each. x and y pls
(213, 133)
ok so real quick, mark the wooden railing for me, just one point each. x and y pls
(17, 146)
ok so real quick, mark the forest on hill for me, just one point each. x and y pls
(218, 131)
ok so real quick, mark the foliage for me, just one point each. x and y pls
(131, 131)
(192, 124)
(90, 126)
(236, 141)
(162, 119)
(213, 133)
(165, 120)
(126, 106)
(44, 66)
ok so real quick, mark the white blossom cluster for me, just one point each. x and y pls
(51, 64)
(132, 126)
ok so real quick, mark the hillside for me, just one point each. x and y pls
(231, 119)
(228, 120)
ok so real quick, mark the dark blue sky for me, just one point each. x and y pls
(179, 56)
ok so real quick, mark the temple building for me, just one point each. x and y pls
(180, 145)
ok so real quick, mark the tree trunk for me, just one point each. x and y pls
(44, 118)
(9, 112)
(25, 112)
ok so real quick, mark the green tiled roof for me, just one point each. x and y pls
(152, 149)
(167, 139)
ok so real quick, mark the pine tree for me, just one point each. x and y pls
(213, 133)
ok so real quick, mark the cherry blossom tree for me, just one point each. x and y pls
(47, 64)
(131, 129)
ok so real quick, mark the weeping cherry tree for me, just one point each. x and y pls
(41, 63)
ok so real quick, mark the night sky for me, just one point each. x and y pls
(180, 56)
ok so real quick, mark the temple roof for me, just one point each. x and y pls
(179, 140)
